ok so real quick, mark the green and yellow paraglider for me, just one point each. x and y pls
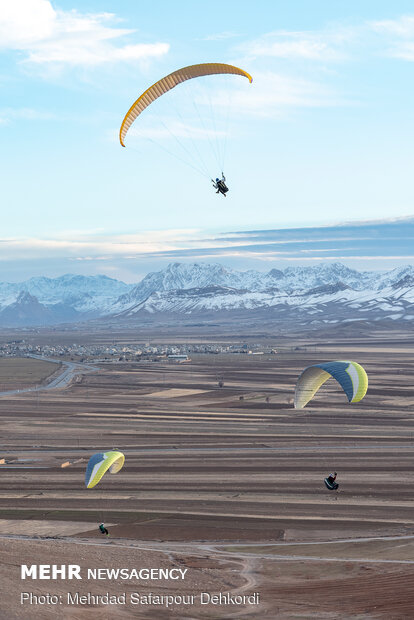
(100, 463)
(351, 377)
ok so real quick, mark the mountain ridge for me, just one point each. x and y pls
(327, 292)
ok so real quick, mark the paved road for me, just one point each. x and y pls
(69, 371)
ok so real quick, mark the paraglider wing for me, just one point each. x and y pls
(100, 463)
(351, 377)
(170, 81)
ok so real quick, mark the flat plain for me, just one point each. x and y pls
(24, 372)
(226, 481)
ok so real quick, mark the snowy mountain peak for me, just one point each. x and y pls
(326, 291)
(25, 298)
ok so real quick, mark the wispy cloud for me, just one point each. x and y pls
(44, 35)
(10, 114)
(219, 36)
(272, 94)
(398, 36)
(82, 246)
(401, 27)
(375, 245)
(394, 38)
(281, 79)
(322, 46)
(393, 239)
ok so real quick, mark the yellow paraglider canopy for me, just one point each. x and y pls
(351, 377)
(170, 81)
(100, 463)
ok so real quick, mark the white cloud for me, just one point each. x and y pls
(398, 35)
(119, 254)
(92, 246)
(401, 27)
(24, 22)
(321, 46)
(271, 94)
(10, 114)
(396, 39)
(278, 86)
(47, 36)
(220, 36)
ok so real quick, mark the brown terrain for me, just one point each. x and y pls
(225, 481)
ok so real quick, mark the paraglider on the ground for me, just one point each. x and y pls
(330, 482)
(351, 377)
(103, 529)
(100, 463)
(220, 185)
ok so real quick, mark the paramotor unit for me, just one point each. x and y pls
(220, 185)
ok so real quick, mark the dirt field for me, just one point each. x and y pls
(22, 372)
(231, 489)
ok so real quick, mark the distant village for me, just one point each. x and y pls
(120, 352)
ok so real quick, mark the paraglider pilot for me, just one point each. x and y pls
(103, 529)
(220, 185)
(330, 482)
(332, 477)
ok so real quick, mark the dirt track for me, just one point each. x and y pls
(204, 468)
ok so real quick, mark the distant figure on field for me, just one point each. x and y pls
(332, 477)
(330, 482)
(103, 529)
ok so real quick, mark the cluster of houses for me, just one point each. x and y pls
(121, 352)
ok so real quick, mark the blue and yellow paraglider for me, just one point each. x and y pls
(351, 377)
(100, 463)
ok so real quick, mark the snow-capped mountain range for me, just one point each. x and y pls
(322, 293)
(44, 301)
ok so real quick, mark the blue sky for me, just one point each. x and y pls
(323, 135)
